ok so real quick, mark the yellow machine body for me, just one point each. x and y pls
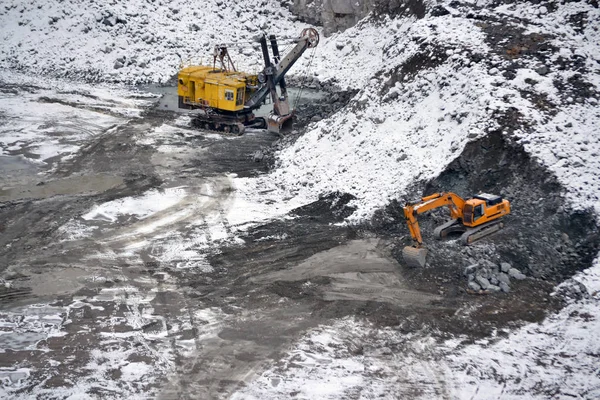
(475, 218)
(207, 87)
(478, 211)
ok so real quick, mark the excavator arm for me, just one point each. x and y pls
(454, 203)
(415, 255)
(273, 75)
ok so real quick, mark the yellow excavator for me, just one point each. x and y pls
(475, 218)
(223, 98)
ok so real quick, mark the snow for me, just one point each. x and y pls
(142, 206)
(52, 118)
(382, 144)
(86, 39)
(557, 358)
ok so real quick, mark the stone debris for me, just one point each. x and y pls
(490, 277)
(483, 282)
(515, 273)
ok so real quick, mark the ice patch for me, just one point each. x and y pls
(149, 203)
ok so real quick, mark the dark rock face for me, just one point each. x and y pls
(339, 15)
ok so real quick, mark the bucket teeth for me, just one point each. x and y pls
(414, 257)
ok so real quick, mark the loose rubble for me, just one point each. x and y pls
(491, 277)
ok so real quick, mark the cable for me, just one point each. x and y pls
(297, 101)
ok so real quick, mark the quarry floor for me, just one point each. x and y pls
(180, 303)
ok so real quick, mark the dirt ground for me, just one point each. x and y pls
(171, 305)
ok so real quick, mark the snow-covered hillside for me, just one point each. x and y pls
(133, 41)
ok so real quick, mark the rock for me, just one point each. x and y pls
(258, 156)
(543, 71)
(355, 348)
(471, 269)
(572, 289)
(513, 271)
(485, 273)
(109, 21)
(502, 277)
(561, 155)
(505, 267)
(504, 287)
(118, 64)
(493, 288)
(471, 277)
(483, 282)
(439, 11)
(519, 277)
(402, 157)
(494, 280)
(474, 286)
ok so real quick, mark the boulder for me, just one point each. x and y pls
(493, 288)
(505, 267)
(516, 274)
(502, 277)
(504, 287)
(258, 156)
(483, 282)
(542, 70)
(474, 286)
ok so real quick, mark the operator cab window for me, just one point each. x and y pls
(240, 97)
(228, 95)
(478, 212)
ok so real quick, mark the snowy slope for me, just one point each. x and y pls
(133, 41)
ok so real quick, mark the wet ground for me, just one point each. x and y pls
(131, 264)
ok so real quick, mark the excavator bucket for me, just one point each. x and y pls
(280, 124)
(414, 256)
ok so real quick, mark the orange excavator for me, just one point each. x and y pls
(475, 218)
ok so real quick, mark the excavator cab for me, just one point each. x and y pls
(483, 208)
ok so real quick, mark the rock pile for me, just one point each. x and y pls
(491, 277)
